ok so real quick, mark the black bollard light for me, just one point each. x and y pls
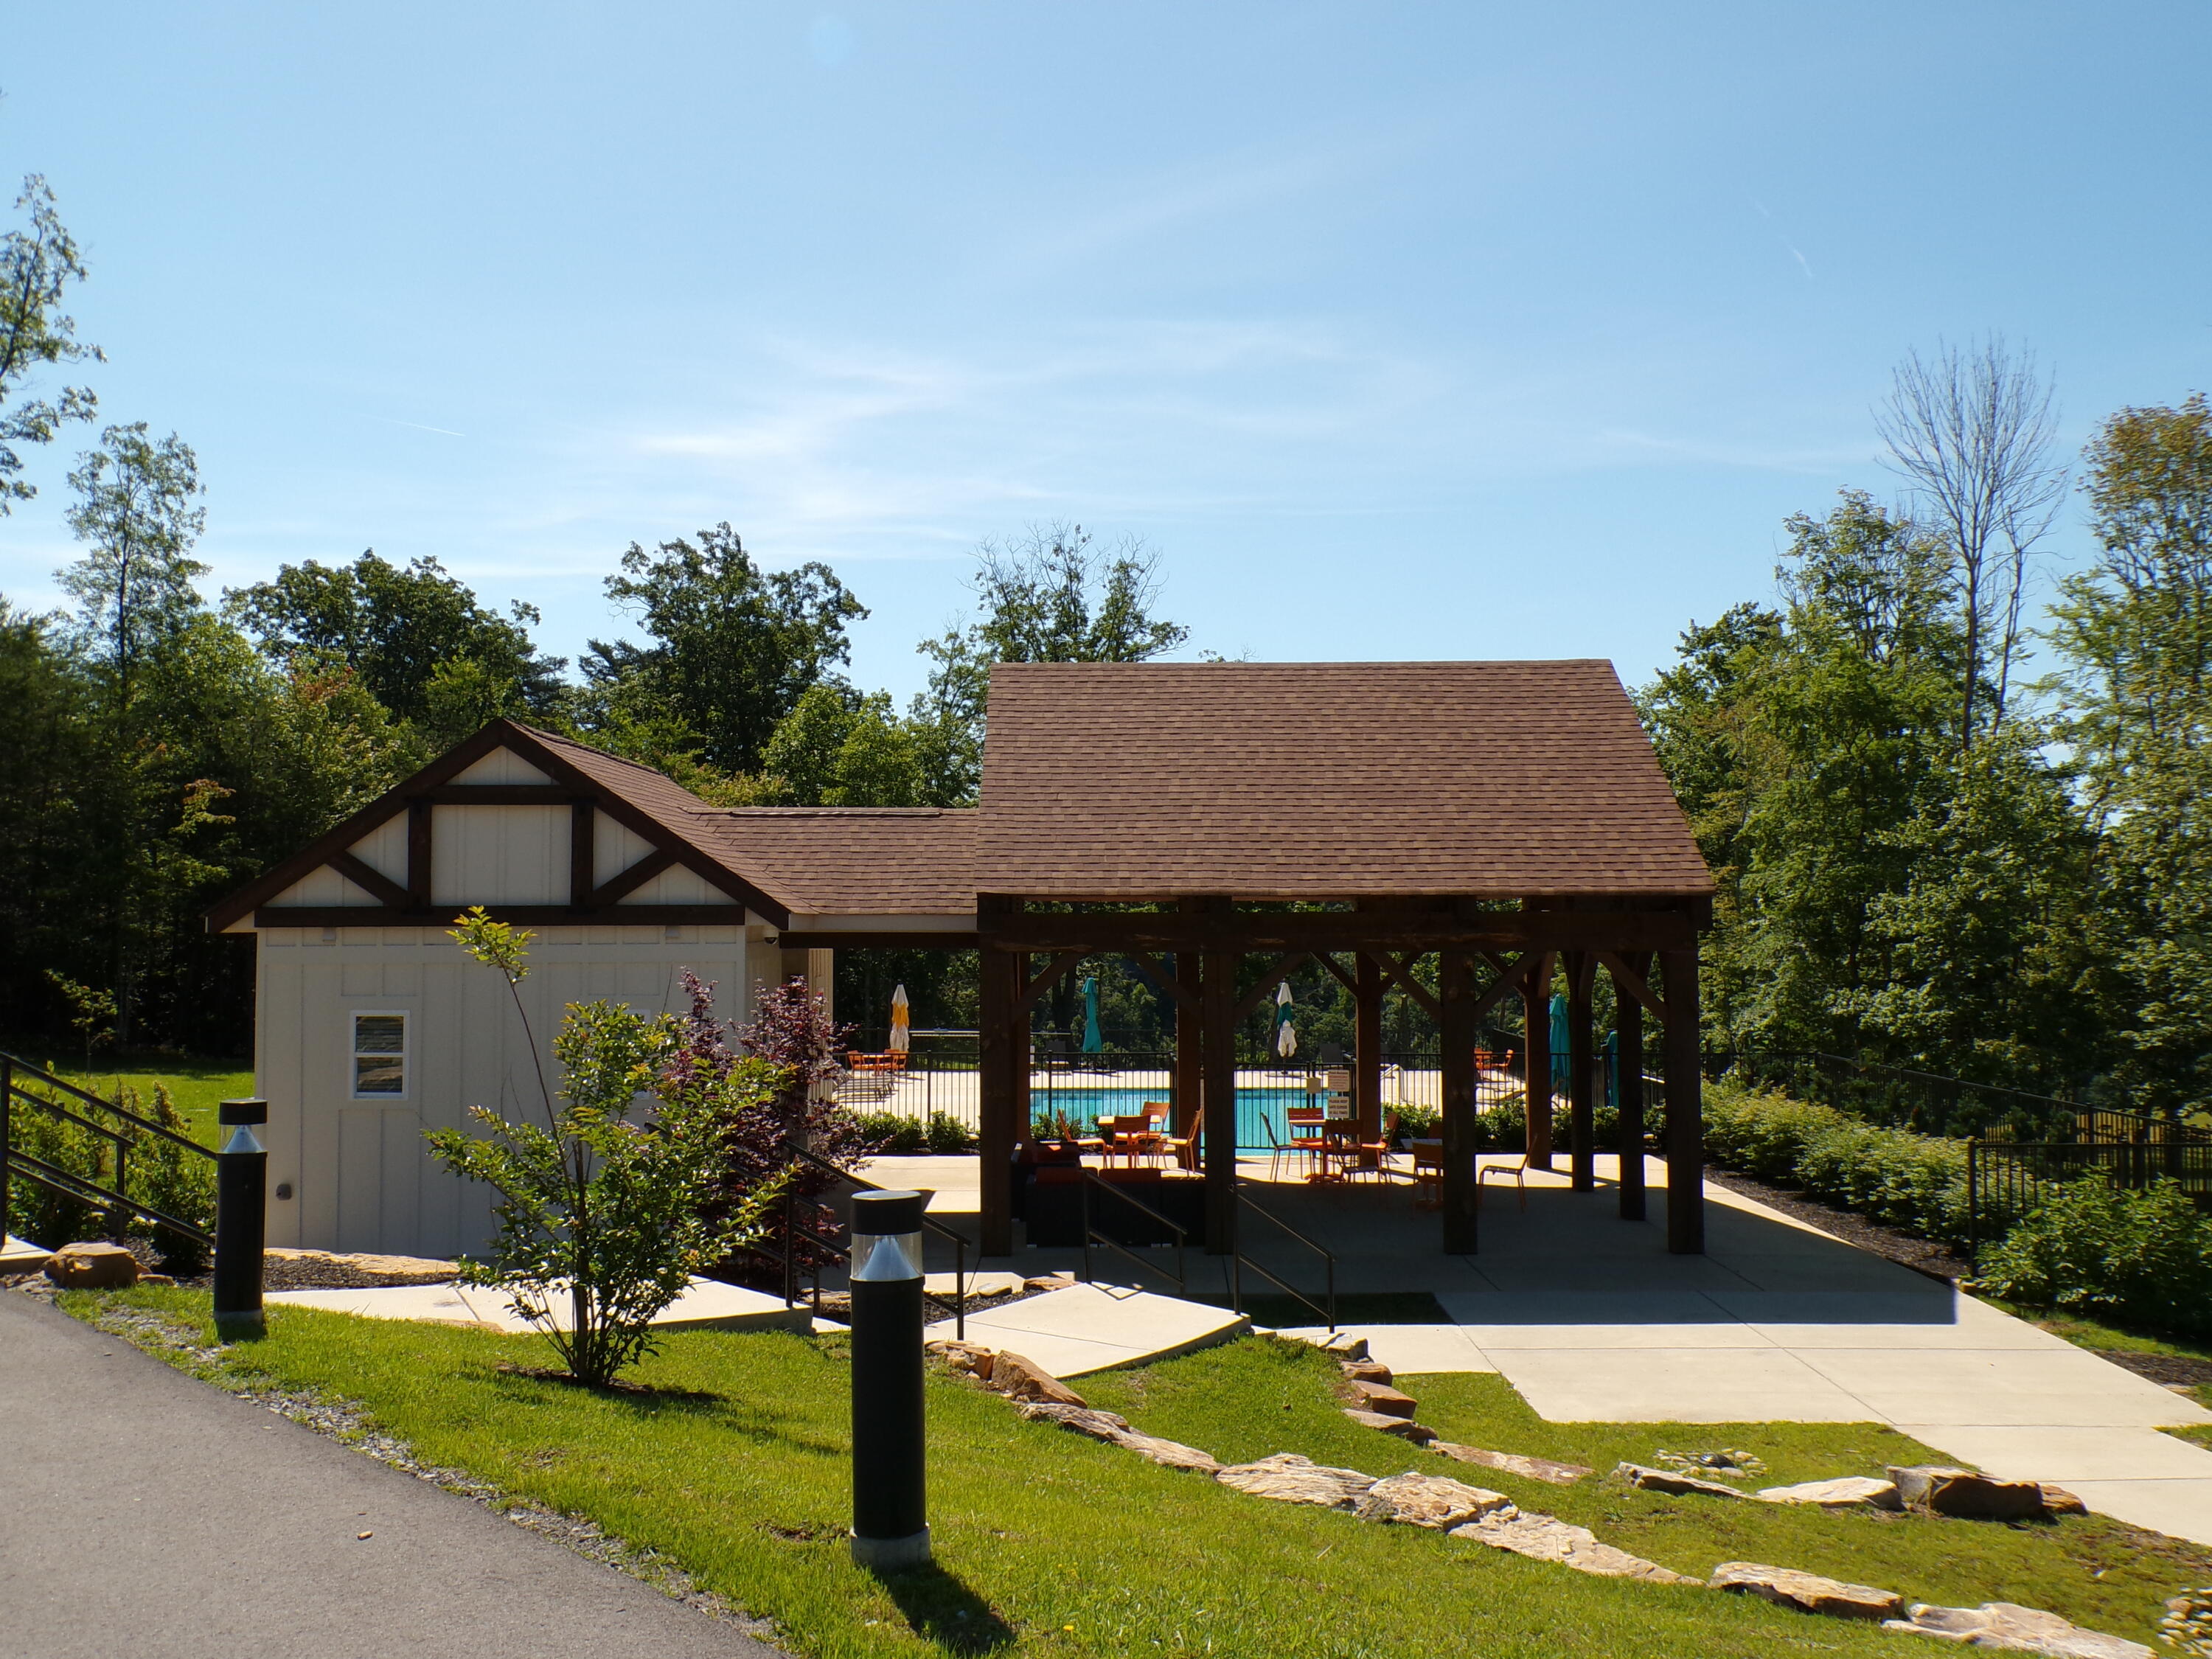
(241, 1221)
(891, 1516)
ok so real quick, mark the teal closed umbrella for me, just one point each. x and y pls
(1092, 1042)
(1562, 1049)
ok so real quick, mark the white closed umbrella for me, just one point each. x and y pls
(901, 1018)
(1287, 1035)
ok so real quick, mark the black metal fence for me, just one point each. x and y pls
(1897, 1095)
(939, 1078)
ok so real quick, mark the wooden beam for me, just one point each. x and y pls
(1582, 1077)
(1218, 983)
(1336, 971)
(370, 879)
(1258, 993)
(1509, 975)
(1318, 931)
(1032, 989)
(499, 794)
(583, 853)
(1629, 1060)
(525, 916)
(1002, 1057)
(1632, 980)
(629, 880)
(418, 851)
(1536, 1062)
(1456, 1033)
(1402, 974)
(1367, 1047)
(1169, 979)
(1686, 1126)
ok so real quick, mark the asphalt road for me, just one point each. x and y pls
(144, 1514)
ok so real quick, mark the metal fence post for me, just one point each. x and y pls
(241, 1221)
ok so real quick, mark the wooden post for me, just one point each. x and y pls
(583, 818)
(998, 1003)
(1456, 1032)
(1367, 1047)
(1188, 1089)
(1630, 1025)
(1686, 1109)
(1582, 1073)
(1217, 994)
(1536, 1062)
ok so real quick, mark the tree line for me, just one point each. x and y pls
(1954, 808)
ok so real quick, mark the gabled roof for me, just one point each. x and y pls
(775, 860)
(1325, 781)
(851, 860)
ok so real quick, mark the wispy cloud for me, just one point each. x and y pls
(1803, 264)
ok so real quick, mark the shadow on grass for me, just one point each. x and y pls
(646, 1400)
(940, 1608)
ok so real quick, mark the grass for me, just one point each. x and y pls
(196, 1083)
(732, 1461)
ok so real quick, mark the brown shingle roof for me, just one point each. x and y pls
(818, 860)
(1493, 780)
(849, 860)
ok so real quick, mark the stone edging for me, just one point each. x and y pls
(1479, 1515)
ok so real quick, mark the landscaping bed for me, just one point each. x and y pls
(1922, 1255)
(728, 1459)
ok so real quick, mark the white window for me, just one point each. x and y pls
(380, 1056)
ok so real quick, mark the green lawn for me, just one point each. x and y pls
(196, 1084)
(733, 1464)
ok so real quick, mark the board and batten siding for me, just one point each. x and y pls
(363, 1178)
(361, 1175)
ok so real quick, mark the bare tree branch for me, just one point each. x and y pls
(1971, 431)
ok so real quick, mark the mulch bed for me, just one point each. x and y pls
(1921, 1254)
(2161, 1367)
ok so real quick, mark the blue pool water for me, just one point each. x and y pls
(1257, 1110)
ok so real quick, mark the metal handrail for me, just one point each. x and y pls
(958, 1307)
(1090, 1178)
(16, 1063)
(51, 1176)
(1238, 1262)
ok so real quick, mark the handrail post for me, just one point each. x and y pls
(119, 1216)
(1082, 1198)
(7, 1137)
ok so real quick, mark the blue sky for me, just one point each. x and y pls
(1400, 331)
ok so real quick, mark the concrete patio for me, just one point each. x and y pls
(1590, 1319)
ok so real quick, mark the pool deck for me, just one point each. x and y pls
(1590, 1319)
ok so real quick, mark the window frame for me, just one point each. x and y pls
(356, 1053)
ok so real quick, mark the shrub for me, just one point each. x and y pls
(168, 1177)
(611, 1215)
(901, 1136)
(2136, 1258)
(37, 1212)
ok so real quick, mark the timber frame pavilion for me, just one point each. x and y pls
(1508, 817)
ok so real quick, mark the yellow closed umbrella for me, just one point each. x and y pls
(901, 1018)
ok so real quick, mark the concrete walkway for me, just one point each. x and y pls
(1096, 1328)
(142, 1512)
(1591, 1320)
(707, 1304)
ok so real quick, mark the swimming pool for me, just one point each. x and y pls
(1258, 1110)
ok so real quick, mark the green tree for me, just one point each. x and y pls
(137, 510)
(418, 638)
(733, 647)
(837, 749)
(37, 266)
(1050, 596)
(2135, 632)
(1881, 890)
